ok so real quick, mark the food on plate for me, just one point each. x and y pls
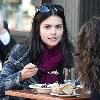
(66, 88)
(45, 86)
(56, 89)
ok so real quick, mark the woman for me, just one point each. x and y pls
(88, 56)
(42, 58)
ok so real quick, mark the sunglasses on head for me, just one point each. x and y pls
(50, 8)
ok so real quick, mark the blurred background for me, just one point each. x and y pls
(18, 13)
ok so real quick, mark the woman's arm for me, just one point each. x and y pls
(16, 69)
(10, 74)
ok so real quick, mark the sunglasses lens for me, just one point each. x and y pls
(44, 9)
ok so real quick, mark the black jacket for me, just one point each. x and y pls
(5, 49)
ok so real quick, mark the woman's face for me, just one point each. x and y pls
(51, 31)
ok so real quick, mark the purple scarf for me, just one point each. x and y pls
(50, 59)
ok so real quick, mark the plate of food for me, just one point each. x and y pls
(63, 90)
(42, 88)
(64, 95)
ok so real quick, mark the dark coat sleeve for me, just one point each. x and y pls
(10, 74)
(5, 49)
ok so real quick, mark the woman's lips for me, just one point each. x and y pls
(52, 39)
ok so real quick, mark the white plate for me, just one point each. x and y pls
(35, 86)
(44, 90)
(60, 95)
(40, 89)
(38, 86)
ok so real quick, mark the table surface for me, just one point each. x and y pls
(36, 96)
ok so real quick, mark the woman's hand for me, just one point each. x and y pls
(28, 71)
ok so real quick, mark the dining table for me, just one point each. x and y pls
(29, 93)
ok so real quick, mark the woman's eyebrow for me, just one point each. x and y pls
(59, 24)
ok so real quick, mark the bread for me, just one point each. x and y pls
(56, 89)
(66, 88)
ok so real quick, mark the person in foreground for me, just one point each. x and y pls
(42, 57)
(88, 56)
(6, 41)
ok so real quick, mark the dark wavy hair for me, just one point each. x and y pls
(88, 53)
(36, 43)
(6, 26)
